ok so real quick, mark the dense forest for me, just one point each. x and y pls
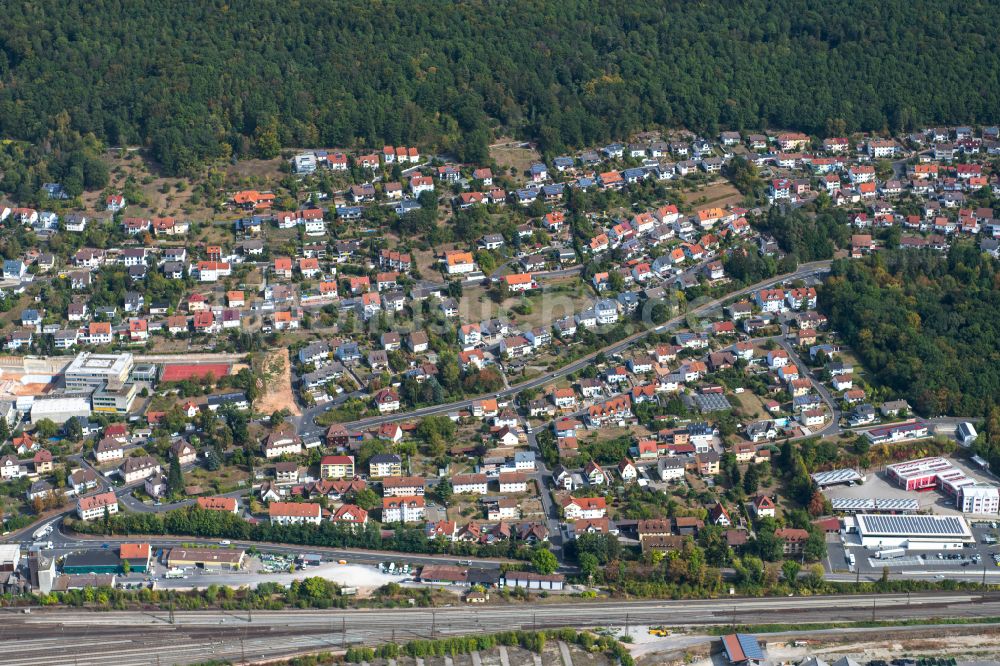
(927, 326)
(213, 78)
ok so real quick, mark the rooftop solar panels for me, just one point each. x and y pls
(883, 504)
(852, 504)
(862, 504)
(919, 467)
(742, 648)
(916, 526)
(836, 476)
(751, 648)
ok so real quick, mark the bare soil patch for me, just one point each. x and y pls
(278, 393)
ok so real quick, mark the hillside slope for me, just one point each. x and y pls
(207, 78)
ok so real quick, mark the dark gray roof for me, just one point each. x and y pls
(100, 557)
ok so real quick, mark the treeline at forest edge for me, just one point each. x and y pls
(212, 80)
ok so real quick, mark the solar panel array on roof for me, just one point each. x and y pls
(751, 648)
(852, 503)
(873, 504)
(883, 504)
(836, 476)
(915, 525)
(919, 466)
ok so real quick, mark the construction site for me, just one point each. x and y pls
(30, 376)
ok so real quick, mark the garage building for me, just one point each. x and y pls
(95, 561)
(874, 505)
(913, 532)
(219, 559)
(534, 581)
(836, 477)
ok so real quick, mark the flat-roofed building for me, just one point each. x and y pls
(221, 559)
(60, 408)
(10, 556)
(835, 477)
(933, 472)
(90, 371)
(874, 505)
(114, 399)
(92, 561)
(534, 581)
(917, 532)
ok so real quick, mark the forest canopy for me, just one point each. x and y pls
(218, 78)
(927, 326)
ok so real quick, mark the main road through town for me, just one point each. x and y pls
(49, 637)
(306, 422)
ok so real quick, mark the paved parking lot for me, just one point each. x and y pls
(877, 485)
(921, 562)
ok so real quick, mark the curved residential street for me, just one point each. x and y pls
(306, 423)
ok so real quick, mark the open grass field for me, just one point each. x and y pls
(750, 404)
(559, 297)
(225, 479)
(426, 262)
(251, 173)
(512, 154)
(718, 194)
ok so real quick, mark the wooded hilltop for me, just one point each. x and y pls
(220, 78)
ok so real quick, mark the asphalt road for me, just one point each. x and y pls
(833, 427)
(542, 476)
(48, 637)
(132, 504)
(65, 542)
(307, 423)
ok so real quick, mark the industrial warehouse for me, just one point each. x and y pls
(878, 531)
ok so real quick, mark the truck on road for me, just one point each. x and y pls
(42, 531)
